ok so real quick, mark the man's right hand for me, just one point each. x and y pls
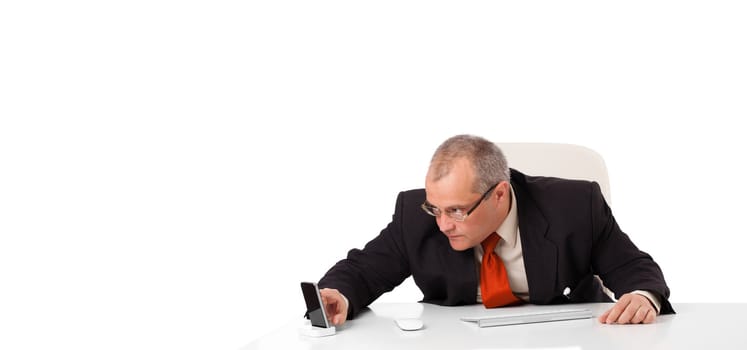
(334, 305)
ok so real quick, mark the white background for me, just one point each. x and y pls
(171, 170)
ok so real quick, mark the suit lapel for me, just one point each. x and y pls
(540, 254)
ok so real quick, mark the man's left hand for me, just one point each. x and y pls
(630, 309)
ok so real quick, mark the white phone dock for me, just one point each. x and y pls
(313, 331)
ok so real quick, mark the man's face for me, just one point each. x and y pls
(454, 191)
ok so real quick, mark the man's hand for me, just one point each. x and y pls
(334, 306)
(631, 308)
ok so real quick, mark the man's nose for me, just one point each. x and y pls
(445, 223)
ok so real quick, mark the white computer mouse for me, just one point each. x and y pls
(409, 324)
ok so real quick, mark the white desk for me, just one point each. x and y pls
(695, 326)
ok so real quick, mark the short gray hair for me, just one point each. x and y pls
(487, 159)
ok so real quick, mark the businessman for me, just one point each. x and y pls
(481, 232)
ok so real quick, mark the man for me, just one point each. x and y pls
(483, 233)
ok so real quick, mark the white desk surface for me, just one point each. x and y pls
(695, 326)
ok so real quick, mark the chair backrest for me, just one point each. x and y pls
(558, 160)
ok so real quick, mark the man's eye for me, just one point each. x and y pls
(456, 211)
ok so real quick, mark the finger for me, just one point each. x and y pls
(334, 306)
(603, 317)
(644, 315)
(615, 311)
(329, 303)
(613, 315)
(627, 315)
(328, 300)
(330, 297)
(639, 316)
(332, 309)
(325, 294)
(634, 314)
(339, 315)
(650, 316)
(644, 310)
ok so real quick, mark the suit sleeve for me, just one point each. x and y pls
(379, 267)
(619, 263)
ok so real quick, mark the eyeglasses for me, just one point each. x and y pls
(457, 214)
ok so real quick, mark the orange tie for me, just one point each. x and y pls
(494, 285)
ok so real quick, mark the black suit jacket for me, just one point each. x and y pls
(568, 235)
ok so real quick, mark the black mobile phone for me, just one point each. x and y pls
(314, 306)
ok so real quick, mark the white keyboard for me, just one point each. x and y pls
(528, 317)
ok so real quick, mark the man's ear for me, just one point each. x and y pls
(502, 190)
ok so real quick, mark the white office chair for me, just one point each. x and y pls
(558, 160)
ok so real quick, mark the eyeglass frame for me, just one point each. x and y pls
(436, 212)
